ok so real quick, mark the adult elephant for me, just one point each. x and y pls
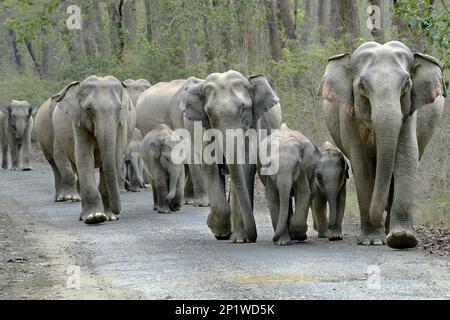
(161, 105)
(382, 106)
(64, 176)
(230, 101)
(94, 121)
(135, 88)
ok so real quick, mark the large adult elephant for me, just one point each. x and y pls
(231, 101)
(94, 121)
(382, 106)
(161, 105)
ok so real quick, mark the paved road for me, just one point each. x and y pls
(151, 256)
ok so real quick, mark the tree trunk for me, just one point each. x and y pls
(209, 54)
(335, 20)
(306, 22)
(115, 11)
(129, 21)
(149, 20)
(348, 11)
(99, 29)
(15, 55)
(45, 59)
(286, 18)
(274, 30)
(403, 34)
(322, 21)
(377, 21)
(36, 63)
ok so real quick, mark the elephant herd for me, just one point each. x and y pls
(381, 103)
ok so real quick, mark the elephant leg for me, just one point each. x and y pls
(68, 187)
(238, 234)
(155, 194)
(319, 205)
(14, 156)
(273, 201)
(401, 234)
(364, 181)
(162, 190)
(4, 155)
(178, 199)
(389, 207)
(298, 221)
(188, 188)
(26, 154)
(57, 178)
(198, 186)
(219, 219)
(135, 176)
(91, 201)
(335, 232)
(105, 198)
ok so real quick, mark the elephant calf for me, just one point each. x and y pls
(16, 123)
(166, 175)
(297, 158)
(331, 186)
(133, 163)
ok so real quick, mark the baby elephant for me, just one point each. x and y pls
(331, 186)
(297, 158)
(133, 163)
(16, 123)
(166, 171)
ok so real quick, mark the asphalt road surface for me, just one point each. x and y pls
(47, 253)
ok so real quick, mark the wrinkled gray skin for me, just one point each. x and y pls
(297, 158)
(161, 105)
(166, 177)
(133, 163)
(133, 177)
(230, 101)
(16, 123)
(331, 187)
(94, 121)
(64, 176)
(382, 105)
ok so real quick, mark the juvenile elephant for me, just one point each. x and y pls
(331, 187)
(166, 173)
(382, 105)
(161, 105)
(133, 163)
(135, 88)
(94, 121)
(64, 176)
(297, 158)
(16, 123)
(230, 102)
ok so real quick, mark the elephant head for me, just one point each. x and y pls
(135, 88)
(100, 107)
(161, 150)
(231, 101)
(19, 114)
(380, 86)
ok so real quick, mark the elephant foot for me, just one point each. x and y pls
(94, 218)
(322, 234)
(239, 237)
(225, 237)
(134, 190)
(402, 239)
(62, 197)
(26, 169)
(4, 166)
(335, 235)
(299, 235)
(189, 201)
(201, 204)
(219, 226)
(112, 217)
(164, 211)
(14, 169)
(175, 208)
(155, 208)
(372, 238)
(283, 241)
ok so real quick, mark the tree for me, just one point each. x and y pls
(378, 33)
(286, 18)
(306, 22)
(274, 30)
(348, 13)
(115, 11)
(321, 17)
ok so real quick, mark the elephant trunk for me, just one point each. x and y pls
(20, 127)
(332, 204)
(107, 141)
(387, 123)
(284, 193)
(136, 171)
(175, 173)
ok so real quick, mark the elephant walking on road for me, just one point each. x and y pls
(297, 158)
(382, 105)
(16, 123)
(166, 173)
(94, 122)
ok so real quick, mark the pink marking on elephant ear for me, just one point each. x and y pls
(329, 94)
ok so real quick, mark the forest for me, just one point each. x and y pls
(44, 46)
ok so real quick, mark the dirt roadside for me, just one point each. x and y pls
(38, 261)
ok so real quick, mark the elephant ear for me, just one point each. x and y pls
(193, 101)
(427, 79)
(264, 96)
(155, 147)
(68, 102)
(336, 86)
(146, 84)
